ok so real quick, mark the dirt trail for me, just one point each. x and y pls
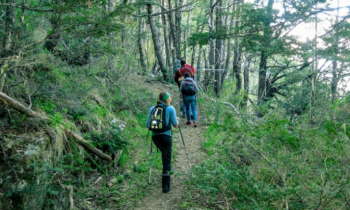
(193, 138)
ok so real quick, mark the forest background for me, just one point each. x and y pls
(275, 104)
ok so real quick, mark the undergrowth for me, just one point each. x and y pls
(273, 162)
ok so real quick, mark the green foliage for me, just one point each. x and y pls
(274, 163)
(110, 140)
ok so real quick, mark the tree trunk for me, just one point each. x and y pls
(237, 68)
(139, 41)
(6, 50)
(206, 73)
(218, 24)
(237, 55)
(157, 48)
(246, 81)
(178, 34)
(9, 22)
(186, 34)
(19, 107)
(228, 51)
(314, 77)
(199, 64)
(172, 32)
(55, 35)
(2, 78)
(209, 75)
(335, 59)
(262, 89)
(166, 42)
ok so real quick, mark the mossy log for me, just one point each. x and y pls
(82, 142)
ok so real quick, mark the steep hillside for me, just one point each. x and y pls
(39, 156)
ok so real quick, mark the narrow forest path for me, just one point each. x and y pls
(193, 138)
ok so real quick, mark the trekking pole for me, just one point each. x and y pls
(150, 166)
(185, 148)
(150, 161)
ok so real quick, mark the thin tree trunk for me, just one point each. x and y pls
(9, 22)
(166, 41)
(237, 55)
(206, 73)
(209, 75)
(173, 32)
(157, 48)
(335, 59)
(228, 44)
(246, 80)
(313, 77)
(6, 50)
(187, 32)
(218, 24)
(178, 18)
(139, 41)
(262, 89)
(199, 63)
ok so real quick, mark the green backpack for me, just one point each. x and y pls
(156, 121)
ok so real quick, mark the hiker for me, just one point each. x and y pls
(179, 76)
(163, 140)
(189, 66)
(189, 89)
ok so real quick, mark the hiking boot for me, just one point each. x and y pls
(166, 183)
(188, 123)
(195, 124)
(166, 190)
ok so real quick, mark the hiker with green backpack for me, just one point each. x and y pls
(160, 119)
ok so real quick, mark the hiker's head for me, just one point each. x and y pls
(164, 97)
(183, 61)
(187, 74)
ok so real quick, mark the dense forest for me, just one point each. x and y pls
(77, 78)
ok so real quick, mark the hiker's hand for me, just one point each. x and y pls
(178, 122)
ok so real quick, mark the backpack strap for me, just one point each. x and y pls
(163, 105)
(180, 72)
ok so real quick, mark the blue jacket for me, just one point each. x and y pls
(170, 117)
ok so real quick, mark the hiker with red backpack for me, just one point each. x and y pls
(189, 89)
(160, 119)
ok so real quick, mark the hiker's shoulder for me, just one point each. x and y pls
(170, 108)
(185, 68)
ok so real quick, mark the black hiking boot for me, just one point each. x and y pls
(166, 183)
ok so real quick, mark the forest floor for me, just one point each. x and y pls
(193, 138)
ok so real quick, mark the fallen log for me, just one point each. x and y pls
(82, 142)
(19, 107)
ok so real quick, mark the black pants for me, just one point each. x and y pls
(164, 144)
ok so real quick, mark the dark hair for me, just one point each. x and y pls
(187, 74)
(161, 95)
(183, 61)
